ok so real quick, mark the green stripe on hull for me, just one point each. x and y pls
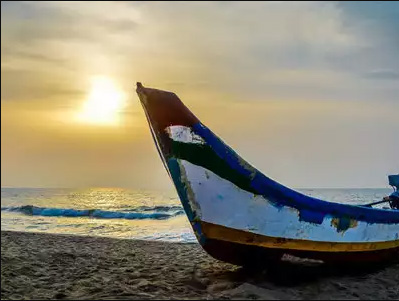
(203, 155)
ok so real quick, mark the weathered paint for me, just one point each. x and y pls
(241, 210)
(183, 134)
(283, 195)
(226, 163)
(203, 155)
(343, 224)
(230, 203)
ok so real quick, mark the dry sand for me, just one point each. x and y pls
(44, 266)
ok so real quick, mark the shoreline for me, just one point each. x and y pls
(62, 266)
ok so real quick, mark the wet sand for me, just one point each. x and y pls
(45, 266)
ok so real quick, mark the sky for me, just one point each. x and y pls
(307, 92)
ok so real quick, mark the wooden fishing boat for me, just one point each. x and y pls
(241, 216)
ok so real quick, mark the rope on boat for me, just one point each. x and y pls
(376, 203)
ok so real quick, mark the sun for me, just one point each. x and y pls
(104, 104)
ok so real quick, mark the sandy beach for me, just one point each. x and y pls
(46, 266)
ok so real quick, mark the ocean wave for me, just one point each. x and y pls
(97, 213)
(156, 208)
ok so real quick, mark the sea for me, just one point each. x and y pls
(122, 213)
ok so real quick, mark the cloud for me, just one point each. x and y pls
(248, 49)
(376, 23)
(383, 74)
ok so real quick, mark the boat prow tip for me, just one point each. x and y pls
(140, 88)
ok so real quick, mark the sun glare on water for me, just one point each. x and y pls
(104, 104)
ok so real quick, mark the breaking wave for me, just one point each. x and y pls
(157, 212)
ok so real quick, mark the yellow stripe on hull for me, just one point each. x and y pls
(218, 232)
